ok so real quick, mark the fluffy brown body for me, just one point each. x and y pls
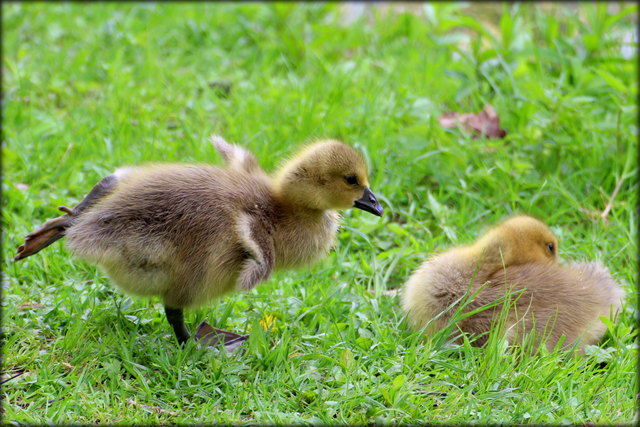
(191, 233)
(518, 259)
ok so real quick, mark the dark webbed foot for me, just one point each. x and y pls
(205, 334)
(55, 228)
(212, 337)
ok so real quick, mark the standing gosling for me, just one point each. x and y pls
(520, 256)
(191, 233)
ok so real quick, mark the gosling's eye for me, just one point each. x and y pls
(551, 247)
(351, 179)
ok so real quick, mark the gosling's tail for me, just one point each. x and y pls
(55, 228)
(236, 157)
(49, 232)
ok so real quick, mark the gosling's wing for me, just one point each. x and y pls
(236, 157)
(254, 235)
(562, 299)
(601, 285)
(156, 211)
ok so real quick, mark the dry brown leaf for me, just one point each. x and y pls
(222, 88)
(28, 305)
(485, 123)
(388, 292)
(149, 408)
(607, 208)
(592, 214)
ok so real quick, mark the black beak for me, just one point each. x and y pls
(369, 203)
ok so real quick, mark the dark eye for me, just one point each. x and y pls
(351, 179)
(551, 247)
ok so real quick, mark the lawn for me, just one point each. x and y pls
(89, 88)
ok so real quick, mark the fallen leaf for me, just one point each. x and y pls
(388, 292)
(485, 123)
(591, 214)
(222, 88)
(149, 408)
(27, 305)
(449, 120)
(607, 208)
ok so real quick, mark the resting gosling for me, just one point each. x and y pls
(191, 233)
(518, 255)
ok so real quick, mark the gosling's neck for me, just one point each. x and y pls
(291, 191)
(291, 205)
(484, 258)
(302, 234)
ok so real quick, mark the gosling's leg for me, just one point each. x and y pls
(175, 316)
(54, 229)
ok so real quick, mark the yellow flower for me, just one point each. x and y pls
(268, 322)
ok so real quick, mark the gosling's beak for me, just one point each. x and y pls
(369, 203)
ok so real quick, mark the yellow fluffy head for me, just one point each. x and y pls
(519, 240)
(324, 175)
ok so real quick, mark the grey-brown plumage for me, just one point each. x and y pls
(518, 257)
(191, 233)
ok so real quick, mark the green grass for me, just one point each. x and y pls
(88, 88)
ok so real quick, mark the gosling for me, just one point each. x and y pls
(519, 256)
(192, 233)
